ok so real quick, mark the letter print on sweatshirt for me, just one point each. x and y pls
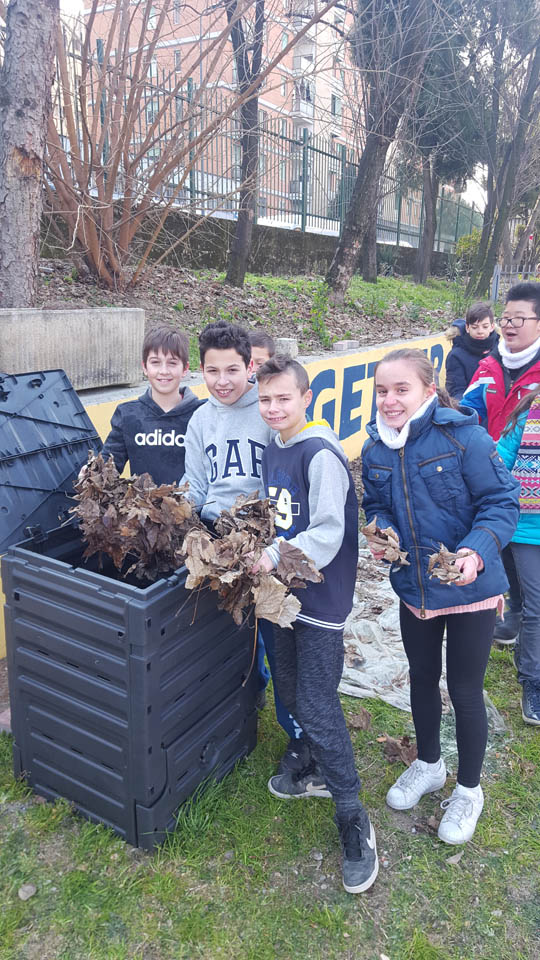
(211, 452)
(233, 460)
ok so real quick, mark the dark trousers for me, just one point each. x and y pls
(309, 664)
(527, 557)
(514, 586)
(467, 651)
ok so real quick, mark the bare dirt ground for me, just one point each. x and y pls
(282, 307)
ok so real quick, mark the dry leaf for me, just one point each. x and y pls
(273, 602)
(441, 565)
(295, 567)
(399, 749)
(385, 541)
(455, 859)
(361, 720)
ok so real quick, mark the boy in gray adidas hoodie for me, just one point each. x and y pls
(307, 477)
(224, 443)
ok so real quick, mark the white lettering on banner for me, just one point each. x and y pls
(158, 438)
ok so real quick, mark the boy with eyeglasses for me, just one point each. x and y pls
(500, 382)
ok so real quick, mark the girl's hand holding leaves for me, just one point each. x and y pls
(384, 544)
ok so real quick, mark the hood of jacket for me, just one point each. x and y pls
(313, 428)
(188, 402)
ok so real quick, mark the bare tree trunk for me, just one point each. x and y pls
(425, 247)
(394, 60)
(363, 201)
(25, 103)
(248, 72)
(503, 213)
(369, 250)
(507, 246)
(520, 249)
(241, 245)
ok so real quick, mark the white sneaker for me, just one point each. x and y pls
(462, 811)
(418, 779)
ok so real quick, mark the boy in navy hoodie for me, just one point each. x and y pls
(470, 344)
(150, 431)
(307, 477)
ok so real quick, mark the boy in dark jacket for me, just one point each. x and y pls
(149, 432)
(470, 345)
(306, 476)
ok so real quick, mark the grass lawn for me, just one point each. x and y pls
(250, 877)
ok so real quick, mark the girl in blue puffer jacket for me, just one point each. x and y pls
(434, 476)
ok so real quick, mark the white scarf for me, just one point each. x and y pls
(513, 361)
(398, 438)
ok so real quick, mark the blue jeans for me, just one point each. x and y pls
(265, 642)
(527, 558)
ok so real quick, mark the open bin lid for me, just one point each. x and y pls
(45, 436)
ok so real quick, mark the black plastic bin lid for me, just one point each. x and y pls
(45, 436)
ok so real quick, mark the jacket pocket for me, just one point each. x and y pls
(381, 478)
(442, 477)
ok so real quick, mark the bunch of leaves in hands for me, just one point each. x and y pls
(132, 519)
(442, 565)
(226, 563)
(385, 541)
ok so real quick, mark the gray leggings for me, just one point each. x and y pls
(309, 663)
(527, 557)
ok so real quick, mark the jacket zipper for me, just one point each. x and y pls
(409, 513)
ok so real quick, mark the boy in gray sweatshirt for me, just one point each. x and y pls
(224, 444)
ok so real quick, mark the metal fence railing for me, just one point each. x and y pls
(305, 182)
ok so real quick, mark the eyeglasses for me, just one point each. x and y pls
(515, 322)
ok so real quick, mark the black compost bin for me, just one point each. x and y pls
(125, 697)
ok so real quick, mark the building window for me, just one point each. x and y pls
(153, 18)
(262, 118)
(262, 163)
(283, 88)
(261, 207)
(152, 110)
(284, 40)
(153, 69)
(335, 106)
(283, 124)
(177, 60)
(176, 11)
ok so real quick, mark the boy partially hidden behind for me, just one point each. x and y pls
(150, 431)
(306, 476)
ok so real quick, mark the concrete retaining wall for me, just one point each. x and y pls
(275, 250)
(96, 347)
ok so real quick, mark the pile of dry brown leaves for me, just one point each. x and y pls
(386, 542)
(156, 530)
(133, 520)
(225, 564)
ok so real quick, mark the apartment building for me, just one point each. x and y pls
(306, 102)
